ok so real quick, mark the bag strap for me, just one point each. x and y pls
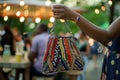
(66, 24)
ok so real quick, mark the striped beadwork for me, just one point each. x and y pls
(62, 55)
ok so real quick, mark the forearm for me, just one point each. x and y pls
(94, 31)
(103, 36)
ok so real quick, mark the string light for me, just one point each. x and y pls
(50, 25)
(48, 3)
(18, 13)
(37, 20)
(103, 8)
(22, 3)
(5, 4)
(91, 41)
(22, 19)
(52, 19)
(32, 25)
(97, 11)
(5, 18)
(110, 2)
(8, 8)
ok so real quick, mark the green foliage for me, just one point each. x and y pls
(101, 19)
(63, 27)
(98, 19)
(59, 26)
(13, 22)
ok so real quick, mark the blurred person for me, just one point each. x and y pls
(38, 47)
(110, 38)
(7, 38)
(19, 42)
(94, 52)
(27, 42)
(84, 47)
(19, 50)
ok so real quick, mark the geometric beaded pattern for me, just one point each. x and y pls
(62, 55)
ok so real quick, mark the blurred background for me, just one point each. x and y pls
(24, 15)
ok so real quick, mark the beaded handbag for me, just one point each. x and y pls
(62, 54)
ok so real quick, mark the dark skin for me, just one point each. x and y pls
(103, 36)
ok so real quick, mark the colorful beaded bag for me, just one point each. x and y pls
(62, 54)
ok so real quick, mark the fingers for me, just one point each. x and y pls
(58, 10)
(58, 15)
(58, 6)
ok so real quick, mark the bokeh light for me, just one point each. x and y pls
(22, 3)
(22, 19)
(18, 13)
(8, 8)
(48, 2)
(52, 19)
(97, 11)
(37, 20)
(5, 18)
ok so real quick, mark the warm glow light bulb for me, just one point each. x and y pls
(103, 8)
(22, 3)
(8, 8)
(32, 25)
(5, 18)
(110, 2)
(91, 41)
(37, 20)
(22, 19)
(50, 25)
(52, 19)
(18, 13)
(5, 4)
(97, 11)
(48, 2)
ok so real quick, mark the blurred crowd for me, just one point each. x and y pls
(34, 48)
(11, 43)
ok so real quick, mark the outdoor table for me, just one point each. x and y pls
(12, 63)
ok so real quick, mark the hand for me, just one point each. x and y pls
(63, 12)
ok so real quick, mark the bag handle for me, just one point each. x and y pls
(67, 28)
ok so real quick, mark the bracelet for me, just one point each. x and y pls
(78, 19)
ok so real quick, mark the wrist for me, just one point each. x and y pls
(76, 18)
